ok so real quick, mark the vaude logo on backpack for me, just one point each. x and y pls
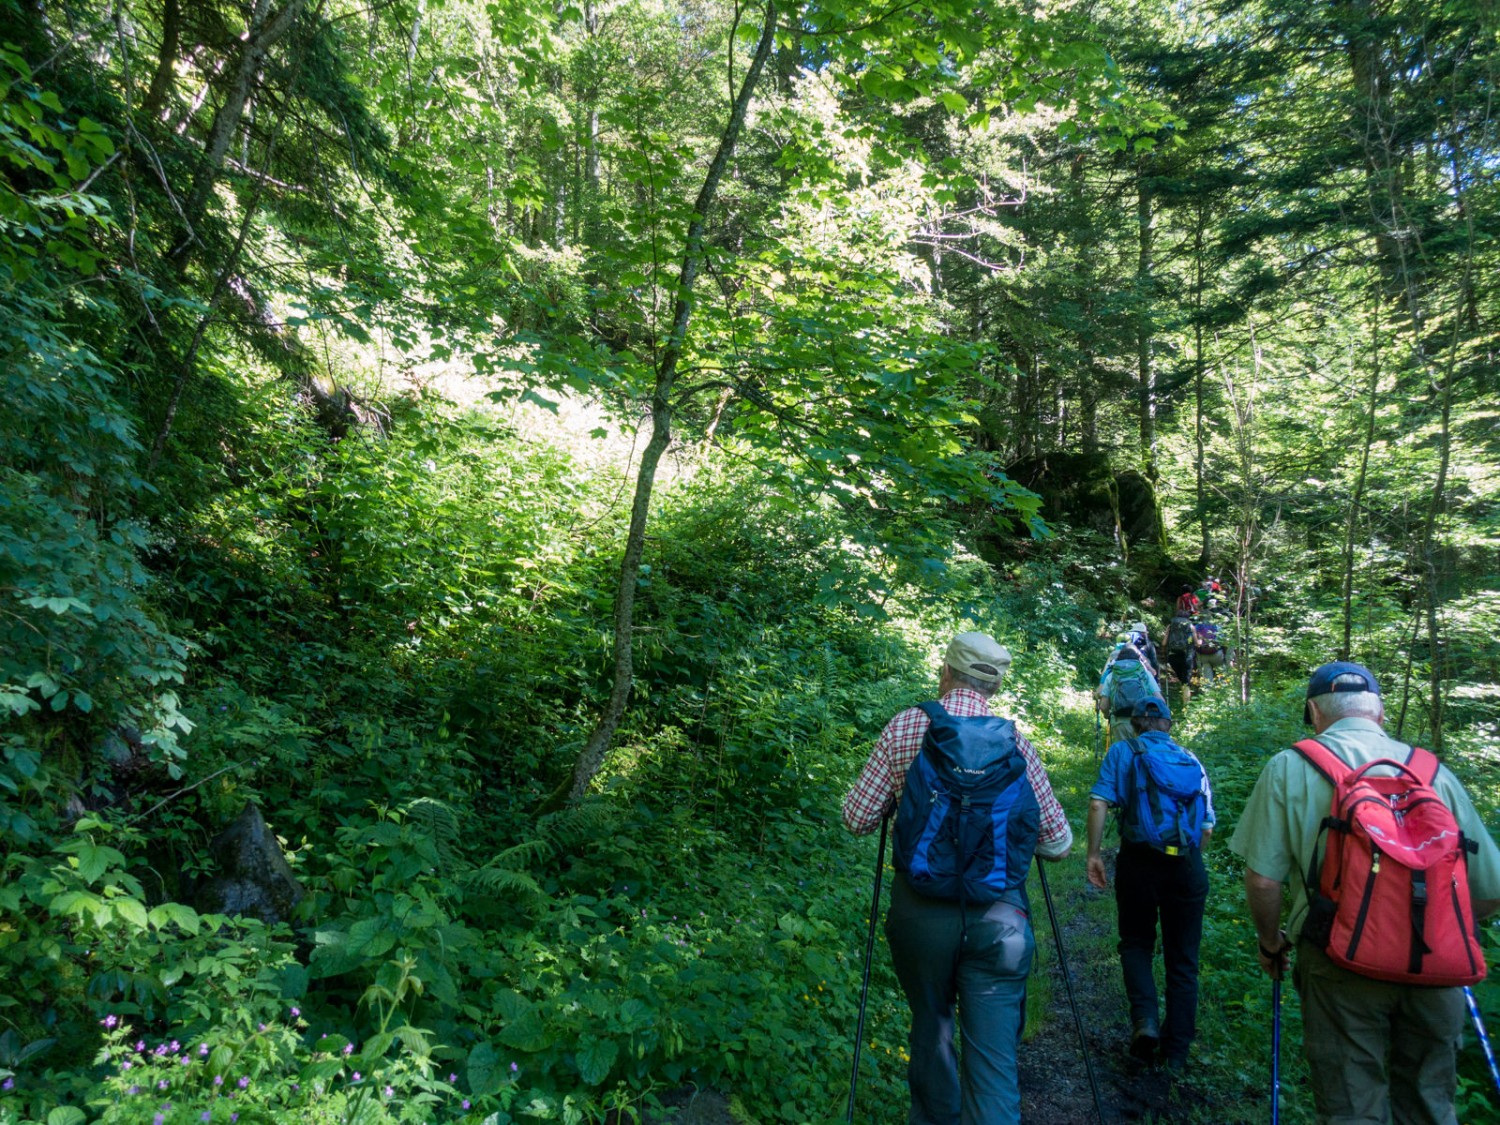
(968, 820)
(1168, 807)
(1390, 899)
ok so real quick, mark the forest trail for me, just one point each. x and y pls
(1054, 1080)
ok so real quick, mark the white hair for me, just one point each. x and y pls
(985, 688)
(1335, 705)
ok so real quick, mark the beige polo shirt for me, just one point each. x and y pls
(1278, 830)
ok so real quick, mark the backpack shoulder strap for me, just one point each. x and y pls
(1322, 759)
(1425, 764)
(934, 711)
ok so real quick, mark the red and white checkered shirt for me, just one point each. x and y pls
(880, 782)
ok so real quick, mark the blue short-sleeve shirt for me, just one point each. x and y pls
(1116, 783)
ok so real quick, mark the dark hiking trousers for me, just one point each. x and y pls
(985, 974)
(1153, 889)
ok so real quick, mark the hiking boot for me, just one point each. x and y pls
(1143, 1041)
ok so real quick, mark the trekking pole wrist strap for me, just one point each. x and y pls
(1272, 954)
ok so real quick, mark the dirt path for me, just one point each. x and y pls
(1055, 1086)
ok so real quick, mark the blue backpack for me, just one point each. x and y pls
(1128, 685)
(968, 821)
(1168, 806)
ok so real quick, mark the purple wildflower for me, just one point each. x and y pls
(243, 1083)
(110, 1022)
(234, 1117)
(260, 1027)
(8, 1084)
(465, 1103)
(388, 1091)
(160, 1051)
(162, 1085)
(452, 1077)
(206, 1115)
(126, 1065)
(296, 1012)
(202, 1049)
(184, 1060)
(218, 1080)
(133, 1091)
(357, 1076)
(140, 1045)
(176, 1046)
(348, 1049)
(514, 1068)
(159, 1119)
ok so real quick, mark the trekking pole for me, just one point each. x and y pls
(1275, 1050)
(1062, 959)
(1484, 1038)
(1098, 738)
(864, 992)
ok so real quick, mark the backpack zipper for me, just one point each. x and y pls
(1458, 915)
(1364, 903)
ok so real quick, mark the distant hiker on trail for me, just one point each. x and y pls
(965, 935)
(1140, 637)
(1126, 681)
(1187, 602)
(1166, 814)
(1380, 1008)
(1209, 651)
(1181, 645)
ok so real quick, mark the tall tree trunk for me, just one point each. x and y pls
(264, 32)
(1200, 484)
(1145, 372)
(165, 76)
(1372, 394)
(591, 758)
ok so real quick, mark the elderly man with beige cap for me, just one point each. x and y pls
(978, 954)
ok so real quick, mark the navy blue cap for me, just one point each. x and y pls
(1152, 707)
(1322, 683)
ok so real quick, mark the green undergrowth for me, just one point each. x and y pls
(396, 651)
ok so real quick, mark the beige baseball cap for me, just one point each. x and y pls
(978, 655)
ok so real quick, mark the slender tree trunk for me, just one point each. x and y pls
(1372, 393)
(1145, 372)
(591, 759)
(165, 76)
(1203, 545)
(264, 32)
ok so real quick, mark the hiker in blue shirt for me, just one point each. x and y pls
(1166, 815)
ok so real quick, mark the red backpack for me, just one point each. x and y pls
(1391, 899)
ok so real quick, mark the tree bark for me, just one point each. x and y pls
(1145, 372)
(165, 76)
(263, 34)
(591, 758)
(1372, 392)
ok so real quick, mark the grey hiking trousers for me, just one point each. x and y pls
(984, 975)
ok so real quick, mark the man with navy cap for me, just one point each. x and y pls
(1376, 1050)
(1160, 883)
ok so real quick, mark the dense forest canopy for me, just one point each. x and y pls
(518, 455)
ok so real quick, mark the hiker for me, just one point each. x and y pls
(1378, 1048)
(1125, 682)
(1140, 637)
(977, 953)
(1181, 646)
(1209, 651)
(1187, 602)
(1166, 815)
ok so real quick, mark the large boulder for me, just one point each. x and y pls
(1085, 490)
(253, 877)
